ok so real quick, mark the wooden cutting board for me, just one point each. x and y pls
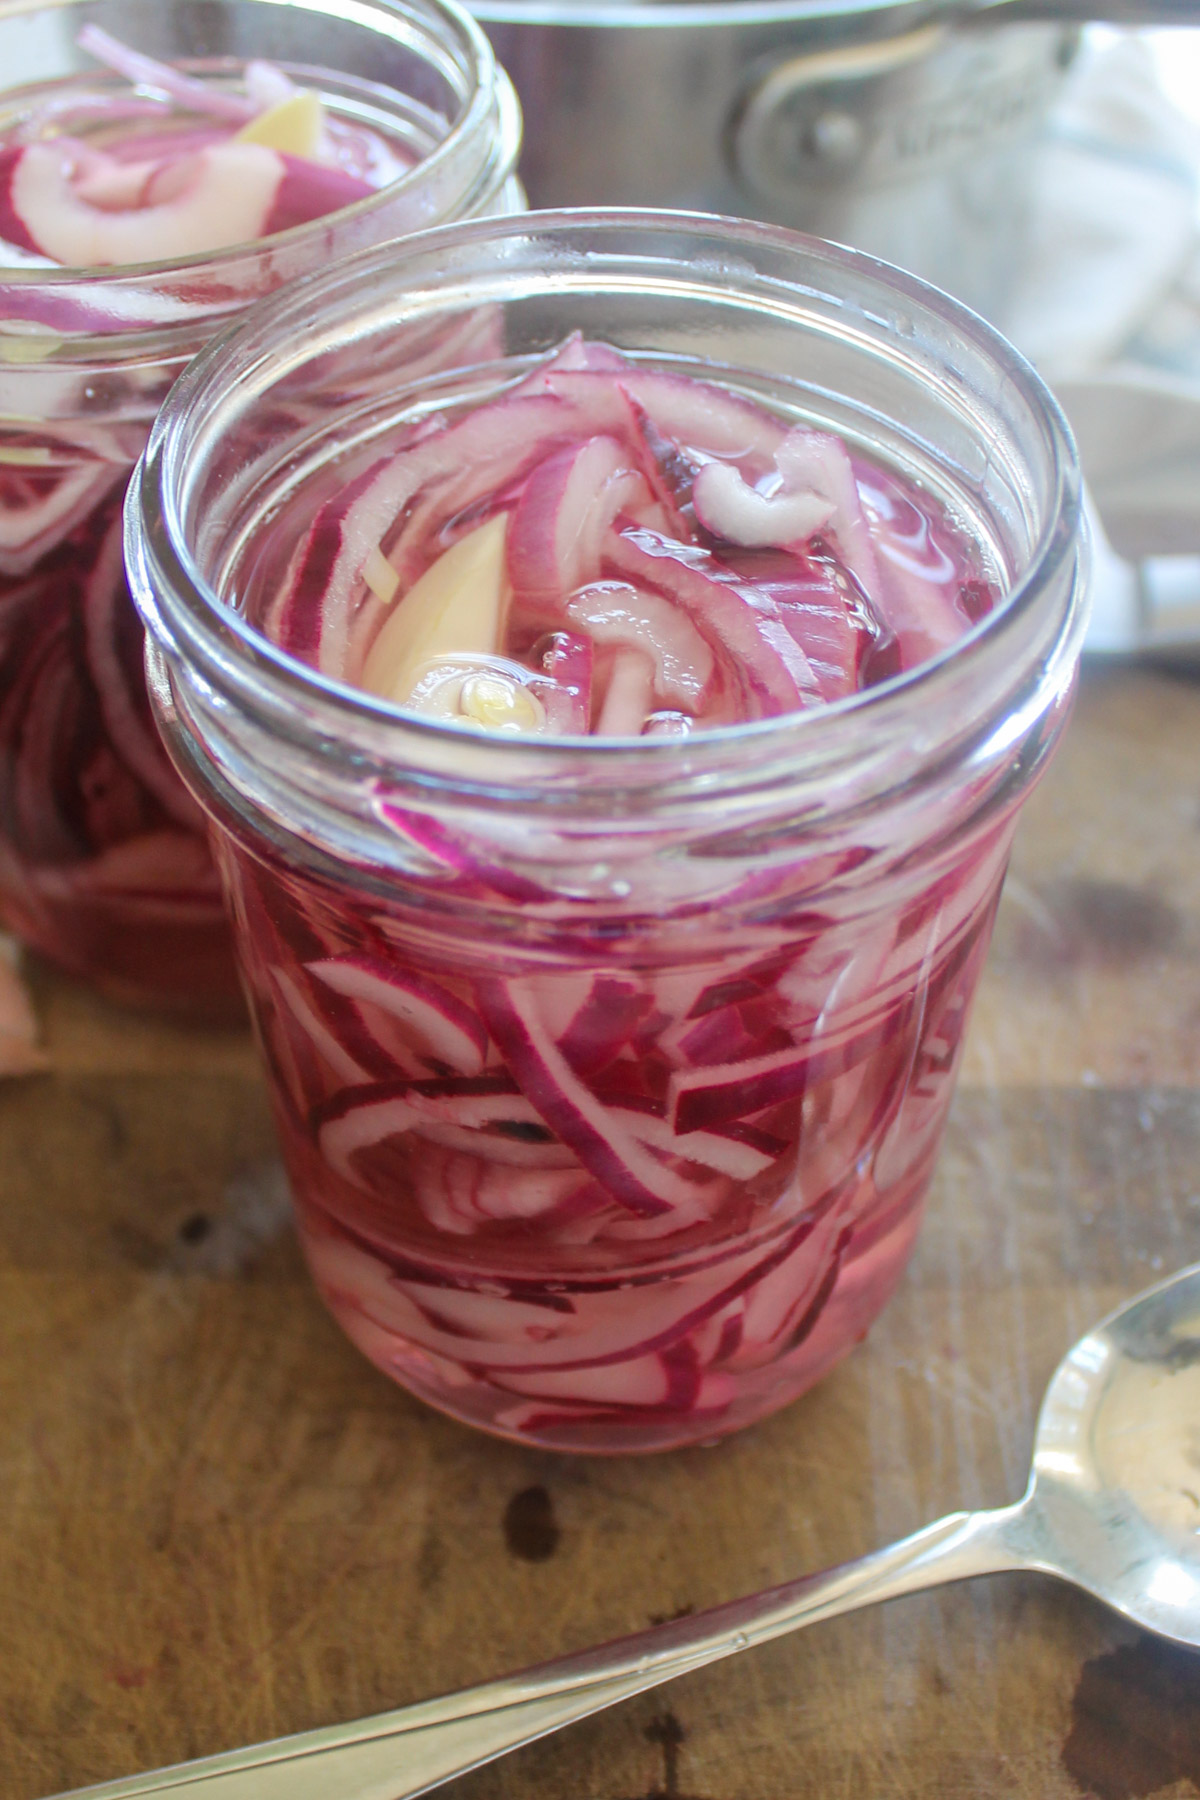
(218, 1523)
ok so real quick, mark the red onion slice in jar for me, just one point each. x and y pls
(440, 1024)
(614, 613)
(619, 1161)
(920, 577)
(316, 1031)
(602, 1025)
(146, 71)
(307, 191)
(566, 507)
(42, 502)
(224, 195)
(770, 666)
(113, 638)
(732, 510)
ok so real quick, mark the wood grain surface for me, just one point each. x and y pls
(218, 1523)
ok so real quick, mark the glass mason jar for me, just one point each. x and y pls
(104, 862)
(448, 937)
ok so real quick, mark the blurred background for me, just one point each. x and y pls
(1046, 172)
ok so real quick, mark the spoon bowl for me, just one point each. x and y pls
(1115, 1494)
(1113, 1506)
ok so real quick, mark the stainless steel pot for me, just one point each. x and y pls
(904, 127)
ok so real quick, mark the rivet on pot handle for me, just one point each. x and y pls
(808, 117)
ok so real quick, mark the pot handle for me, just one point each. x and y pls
(1084, 12)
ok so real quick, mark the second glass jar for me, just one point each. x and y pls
(104, 859)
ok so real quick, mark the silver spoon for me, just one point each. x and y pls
(1113, 1506)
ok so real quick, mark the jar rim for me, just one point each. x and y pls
(186, 615)
(648, 15)
(488, 84)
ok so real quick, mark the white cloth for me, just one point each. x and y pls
(1109, 310)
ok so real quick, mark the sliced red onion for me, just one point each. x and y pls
(741, 1157)
(120, 685)
(842, 1037)
(812, 604)
(669, 470)
(483, 1117)
(658, 1319)
(310, 190)
(501, 1332)
(919, 576)
(320, 1037)
(311, 613)
(616, 1138)
(489, 1100)
(731, 509)
(819, 463)
(603, 1024)
(13, 228)
(116, 186)
(696, 415)
(41, 715)
(618, 1160)
(554, 536)
(500, 1150)
(358, 1119)
(628, 695)
(455, 854)
(460, 1193)
(768, 662)
(468, 471)
(437, 1021)
(638, 1381)
(777, 1318)
(145, 71)
(323, 593)
(724, 1036)
(616, 613)
(596, 464)
(40, 506)
(714, 1095)
(221, 196)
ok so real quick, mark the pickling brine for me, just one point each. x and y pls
(614, 776)
(139, 201)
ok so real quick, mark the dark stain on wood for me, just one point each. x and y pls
(668, 1734)
(1091, 921)
(431, 1562)
(681, 1612)
(530, 1527)
(1135, 1722)
(665, 1731)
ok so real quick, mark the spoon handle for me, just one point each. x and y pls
(397, 1755)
